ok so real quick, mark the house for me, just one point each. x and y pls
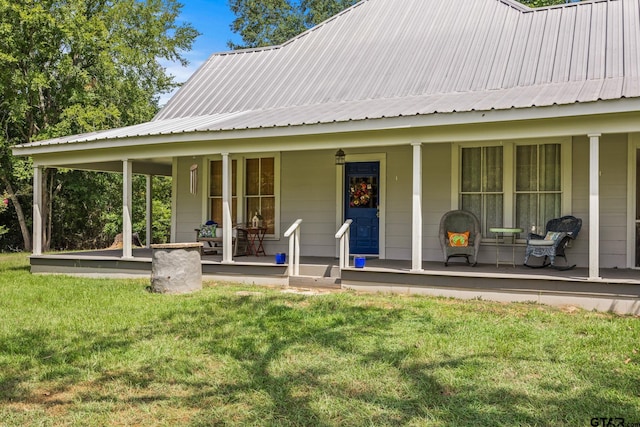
(517, 114)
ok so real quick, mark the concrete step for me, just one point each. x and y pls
(319, 270)
(314, 282)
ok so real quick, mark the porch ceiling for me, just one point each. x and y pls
(157, 166)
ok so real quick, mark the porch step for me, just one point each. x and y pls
(320, 270)
(314, 282)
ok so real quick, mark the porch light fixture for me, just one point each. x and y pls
(340, 157)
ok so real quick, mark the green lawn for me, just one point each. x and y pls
(90, 352)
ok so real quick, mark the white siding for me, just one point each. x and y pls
(613, 200)
(188, 206)
(398, 204)
(308, 192)
(436, 184)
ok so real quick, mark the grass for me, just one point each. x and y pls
(94, 352)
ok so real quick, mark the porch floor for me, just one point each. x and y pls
(328, 266)
(615, 290)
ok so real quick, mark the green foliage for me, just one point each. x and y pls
(83, 352)
(272, 22)
(541, 3)
(89, 220)
(78, 66)
(264, 22)
(3, 208)
(317, 11)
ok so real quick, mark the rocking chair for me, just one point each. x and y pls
(460, 236)
(559, 232)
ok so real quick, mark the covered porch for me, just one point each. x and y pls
(418, 182)
(420, 174)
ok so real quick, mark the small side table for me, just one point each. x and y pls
(255, 236)
(511, 241)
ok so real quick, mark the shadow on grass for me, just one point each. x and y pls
(271, 333)
(315, 361)
(46, 357)
(23, 268)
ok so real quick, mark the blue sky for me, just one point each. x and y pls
(212, 18)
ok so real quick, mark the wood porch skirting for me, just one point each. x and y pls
(618, 290)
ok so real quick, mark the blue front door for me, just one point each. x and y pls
(362, 182)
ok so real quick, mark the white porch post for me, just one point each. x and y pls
(149, 218)
(227, 222)
(416, 229)
(37, 210)
(594, 206)
(127, 176)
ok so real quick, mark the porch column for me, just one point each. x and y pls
(127, 175)
(37, 210)
(594, 206)
(149, 218)
(416, 229)
(227, 222)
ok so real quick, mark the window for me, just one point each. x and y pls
(255, 189)
(260, 195)
(215, 190)
(481, 189)
(511, 184)
(538, 191)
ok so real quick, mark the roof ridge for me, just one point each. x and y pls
(294, 38)
(515, 4)
(564, 5)
(325, 22)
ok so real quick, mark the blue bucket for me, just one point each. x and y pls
(359, 261)
(281, 258)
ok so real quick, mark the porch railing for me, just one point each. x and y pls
(293, 233)
(343, 235)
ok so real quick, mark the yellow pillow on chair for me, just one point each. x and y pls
(458, 239)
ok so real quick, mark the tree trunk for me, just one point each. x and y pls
(47, 209)
(47, 200)
(26, 235)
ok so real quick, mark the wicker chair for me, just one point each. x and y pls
(459, 221)
(559, 232)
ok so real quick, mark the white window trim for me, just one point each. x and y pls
(509, 175)
(240, 185)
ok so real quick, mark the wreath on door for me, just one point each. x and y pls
(360, 194)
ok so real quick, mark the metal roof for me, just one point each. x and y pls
(389, 58)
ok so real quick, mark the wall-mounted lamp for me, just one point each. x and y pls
(340, 157)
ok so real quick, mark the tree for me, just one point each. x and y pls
(272, 22)
(85, 218)
(264, 22)
(4, 202)
(541, 3)
(73, 66)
